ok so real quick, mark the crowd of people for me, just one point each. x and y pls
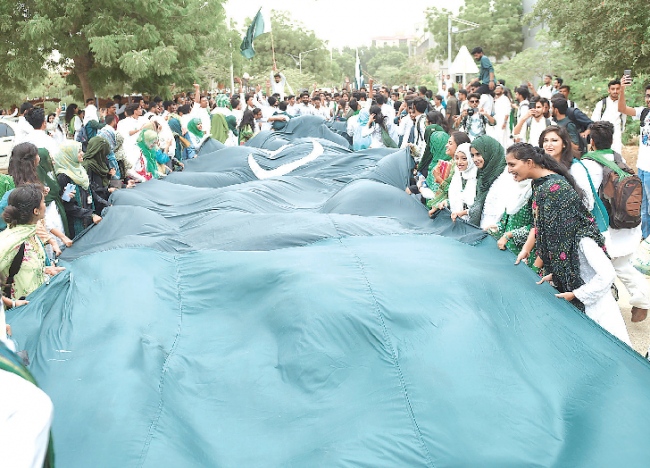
(527, 166)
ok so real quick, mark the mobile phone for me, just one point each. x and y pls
(628, 76)
(67, 192)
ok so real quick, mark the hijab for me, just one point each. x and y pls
(45, 172)
(146, 142)
(192, 127)
(222, 101)
(494, 163)
(437, 151)
(425, 161)
(561, 221)
(459, 196)
(67, 162)
(95, 158)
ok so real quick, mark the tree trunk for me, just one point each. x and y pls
(82, 65)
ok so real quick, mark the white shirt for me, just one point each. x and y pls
(202, 113)
(40, 139)
(23, 128)
(545, 91)
(323, 112)
(612, 115)
(643, 162)
(303, 109)
(279, 87)
(124, 127)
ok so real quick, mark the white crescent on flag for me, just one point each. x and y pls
(284, 169)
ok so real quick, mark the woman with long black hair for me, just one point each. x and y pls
(377, 130)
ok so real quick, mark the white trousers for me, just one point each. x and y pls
(25, 420)
(633, 280)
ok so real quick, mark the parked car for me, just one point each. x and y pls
(7, 134)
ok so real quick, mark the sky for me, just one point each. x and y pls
(346, 22)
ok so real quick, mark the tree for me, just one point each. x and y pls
(499, 34)
(610, 35)
(147, 44)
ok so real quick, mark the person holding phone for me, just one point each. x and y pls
(643, 162)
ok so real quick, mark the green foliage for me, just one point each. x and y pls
(609, 35)
(499, 34)
(144, 45)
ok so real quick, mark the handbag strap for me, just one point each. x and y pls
(13, 270)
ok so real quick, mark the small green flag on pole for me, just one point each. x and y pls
(259, 26)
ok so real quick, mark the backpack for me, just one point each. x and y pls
(644, 114)
(621, 191)
(548, 124)
(82, 137)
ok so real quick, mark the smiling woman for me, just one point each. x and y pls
(567, 240)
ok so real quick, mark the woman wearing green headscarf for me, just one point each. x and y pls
(95, 163)
(151, 162)
(76, 193)
(435, 123)
(493, 183)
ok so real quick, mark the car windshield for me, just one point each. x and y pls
(5, 130)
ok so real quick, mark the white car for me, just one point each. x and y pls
(7, 134)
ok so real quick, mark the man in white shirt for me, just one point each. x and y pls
(546, 90)
(35, 118)
(319, 109)
(23, 127)
(304, 108)
(201, 110)
(502, 108)
(607, 109)
(532, 124)
(130, 128)
(278, 83)
(291, 105)
(643, 160)
(621, 243)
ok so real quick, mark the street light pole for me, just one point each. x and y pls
(300, 57)
(450, 30)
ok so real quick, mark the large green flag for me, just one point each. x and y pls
(259, 26)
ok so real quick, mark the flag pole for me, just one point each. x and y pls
(275, 66)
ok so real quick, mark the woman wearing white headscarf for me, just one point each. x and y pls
(462, 188)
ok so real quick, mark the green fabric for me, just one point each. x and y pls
(222, 101)
(219, 127)
(245, 134)
(437, 152)
(599, 157)
(30, 276)
(95, 158)
(231, 120)
(193, 128)
(67, 162)
(425, 160)
(216, 319)
(147, 144)
(255, 29)
(561, 221)
(47, 176)
(442, 193)
(519, 224)
(6, 184)
(387, 140)
(494, 163)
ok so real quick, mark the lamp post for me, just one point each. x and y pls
(300, 57)
(450, 30)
